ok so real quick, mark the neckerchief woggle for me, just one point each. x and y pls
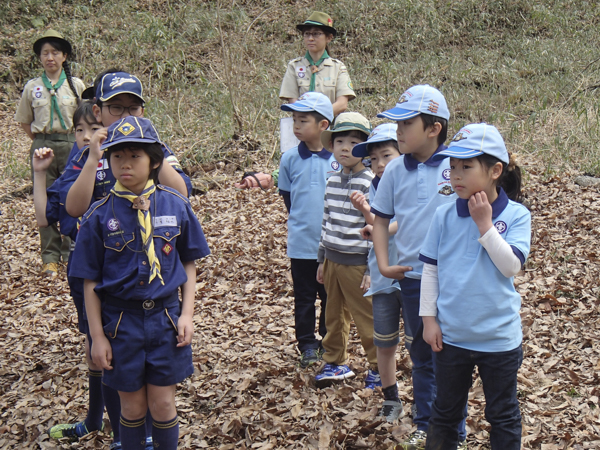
(142, 204)
(53, 89)
(314, 68)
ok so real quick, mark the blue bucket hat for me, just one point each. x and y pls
(119, 83)
(419, 99)
(474, 140)
(312, 101)
(381, 133)
(131, 129)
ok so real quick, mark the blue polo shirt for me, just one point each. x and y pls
(109, 245)
(411, 191)
(478, 307)
(303, 174)
(379, 283)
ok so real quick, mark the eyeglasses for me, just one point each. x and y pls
(118, 110)
(314, 35)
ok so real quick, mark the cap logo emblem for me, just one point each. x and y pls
(126, 129)
(459, 137)
(433, 106)
(500, 226)
(403, 99)
(373, 133)
(119, 81)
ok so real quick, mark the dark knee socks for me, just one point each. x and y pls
(112, 401)
(93, 421)
(133, 433)
(165, 434)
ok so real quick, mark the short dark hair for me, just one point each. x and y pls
(382, 144)
(429, 121)
(154, 152)
(318, 117)
(356, 133)
(85, 112)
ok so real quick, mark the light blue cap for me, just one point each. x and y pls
(419, 99)
(312, 101)
(474, 140)
(382, 133)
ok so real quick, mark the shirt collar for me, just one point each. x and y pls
(411, 163)
(462, 205)
(305, 153)
(376, 181)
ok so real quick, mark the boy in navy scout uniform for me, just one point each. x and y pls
(316, 71)
(303, 174)
(135, 249)
(411, 189)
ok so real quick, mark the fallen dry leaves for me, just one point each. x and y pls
(247, 391)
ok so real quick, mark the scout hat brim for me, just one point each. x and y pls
(49, 36)
(307, 25)
(320, 20)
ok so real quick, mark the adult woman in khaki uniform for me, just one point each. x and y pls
(316, 71)
(45, 113)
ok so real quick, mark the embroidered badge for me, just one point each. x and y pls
(167, 248)
(173, 161)
(446, 190)
(330, 22)
(126, 129)
(38, 95)
(100, 175)
(446, 174)
(500, 226)
(301, 72)
(403, 99)
(433, 106)
(459, 137)
(102, 164)
(350, 85)
(112, 224)
(119, 81)
(335, 165)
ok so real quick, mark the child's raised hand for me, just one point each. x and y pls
(96, 142)
(320, 273)
(42, 158)
(395, 272)
(481, 211)
(359, 201)
(366, 232)
(102, 352)
(185, 330)
(366, 283)
(432, 333)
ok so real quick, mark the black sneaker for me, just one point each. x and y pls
(309, 357)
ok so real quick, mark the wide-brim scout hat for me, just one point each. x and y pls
(474, 140)
(348, 121)
(318, 19)
(119, 83)
(131, 129)
(49, 36)
(382, 133)
(419, 99)
(312, 101)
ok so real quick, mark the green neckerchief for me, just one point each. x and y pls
(53, 90)
(314, 71)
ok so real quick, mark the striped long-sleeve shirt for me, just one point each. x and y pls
(341, 241)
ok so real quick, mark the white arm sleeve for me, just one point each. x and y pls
(501, 253)
(430, 289)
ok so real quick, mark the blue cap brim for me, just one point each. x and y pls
(127, 141)
(457, 152)
(398, 114)
(296, 107)
(360, 150)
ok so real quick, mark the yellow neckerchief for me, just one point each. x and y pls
(142, 204)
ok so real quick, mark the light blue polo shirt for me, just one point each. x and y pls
(304, 175)
(411, 191)
(379, 283)
(478, 307)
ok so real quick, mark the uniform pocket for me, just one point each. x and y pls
(40, 102)
(119, 242)
(167, 233)
(112, 328)
(173, 318)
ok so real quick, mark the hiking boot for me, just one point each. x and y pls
(415, 441)
(462, 445)
(391, 410)
(332, 372)
(309, 357)
(372, 380)
(50, 269)
(67, 430)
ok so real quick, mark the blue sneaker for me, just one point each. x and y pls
(372, 379)
(332, 372)
(72, 431)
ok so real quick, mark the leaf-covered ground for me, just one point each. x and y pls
(247, 390)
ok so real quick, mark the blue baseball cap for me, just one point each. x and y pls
(312, 101)
(119, 83)
(419, 99)
(131, 129)
(381, 133)
(474, 140)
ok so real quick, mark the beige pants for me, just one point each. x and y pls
(345, 301)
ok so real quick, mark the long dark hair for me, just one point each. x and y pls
(510, 179)
(59, 46)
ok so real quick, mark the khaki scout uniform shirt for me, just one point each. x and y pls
(332, 79)
(35, 106)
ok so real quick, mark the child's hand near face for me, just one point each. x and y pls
(42, 158)
(185, 328)
(481, 212)
(96, 142)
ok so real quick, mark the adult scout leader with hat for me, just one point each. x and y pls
(316, 71)
(45, 112)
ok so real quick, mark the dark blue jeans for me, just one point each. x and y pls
(454, 376)
(421, 355)
(306, 288)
